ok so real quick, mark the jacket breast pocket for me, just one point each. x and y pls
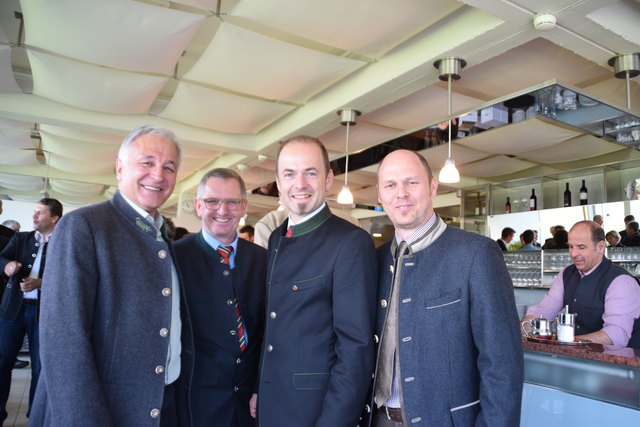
(310, 380)
(308, 284)
(443, 302)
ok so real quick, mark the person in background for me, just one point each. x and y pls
(117, 348)
(466, 367)
(605, 297)
(598, 220)
(550, 242)
(170, 227)
(560, 239)
(224, 282)
(627, 220)
(11, 223)
(506, 238)
(632, 235)
(23, 261)
(180, 233)
(613, 238)
(526, 238)
(246, 232)
(318, 355)
(7, 230)
(535, 240)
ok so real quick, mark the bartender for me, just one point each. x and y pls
(605, 297)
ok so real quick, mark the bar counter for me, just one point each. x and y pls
(580, 385)
(602, 353)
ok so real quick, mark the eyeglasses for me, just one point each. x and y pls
(232, 204)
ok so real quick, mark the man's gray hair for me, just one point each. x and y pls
(221, 173)
(12, 223)
(149, 130)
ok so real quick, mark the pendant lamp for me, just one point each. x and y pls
(626, 66)
(347, 118)
(449, 69)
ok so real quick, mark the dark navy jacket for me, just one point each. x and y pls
(317, 359)
(224, 378)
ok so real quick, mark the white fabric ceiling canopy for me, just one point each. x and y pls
(212, 109)
(92, 87)
(113, 33)
(271, 69)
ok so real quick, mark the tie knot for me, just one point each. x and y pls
(225, 253)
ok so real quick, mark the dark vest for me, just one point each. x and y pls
(585, 296)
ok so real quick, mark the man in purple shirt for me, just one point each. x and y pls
(605, 297)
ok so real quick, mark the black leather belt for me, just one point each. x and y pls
(29, 301)
(394, 414)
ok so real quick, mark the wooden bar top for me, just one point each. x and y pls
(600, 352)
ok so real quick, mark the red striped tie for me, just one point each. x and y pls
(225, 254)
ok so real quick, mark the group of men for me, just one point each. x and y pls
(215, 330)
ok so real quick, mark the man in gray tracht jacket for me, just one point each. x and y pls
(450, 349)
(115, 336)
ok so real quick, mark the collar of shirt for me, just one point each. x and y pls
(214, 243)
(156, 222)
(41, 238)
(308, 217)
(420, 232)
(590, 271)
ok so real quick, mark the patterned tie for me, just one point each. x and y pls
(225, 254)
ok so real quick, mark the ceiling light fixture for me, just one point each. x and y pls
(626, 66)
(347, 118)
(449, 69)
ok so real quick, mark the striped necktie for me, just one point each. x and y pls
(225, 254)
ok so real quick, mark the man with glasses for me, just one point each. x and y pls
(224, 279)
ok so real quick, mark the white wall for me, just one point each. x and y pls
(23, 213)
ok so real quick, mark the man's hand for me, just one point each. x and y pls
(597, 337)
(12, 268)
(30, 284)
(253, 402)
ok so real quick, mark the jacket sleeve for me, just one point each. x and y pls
(495, 330)
(354, 293)
(9, 254)
(69, 371)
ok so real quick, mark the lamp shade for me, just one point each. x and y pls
(345, 197)
(449, 173)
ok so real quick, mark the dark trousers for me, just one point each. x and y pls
(11, 338)
(175, 406)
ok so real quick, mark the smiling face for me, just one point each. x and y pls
(583, 251)
(302, 178)
(406, 191)
(147, 174)
(221, 222)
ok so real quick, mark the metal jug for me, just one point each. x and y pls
(537, 328)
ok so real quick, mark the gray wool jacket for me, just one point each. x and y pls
(106, 300)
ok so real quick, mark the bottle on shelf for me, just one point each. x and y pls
(567, 196)
(507, 206)
(583, 194)
(533, 200)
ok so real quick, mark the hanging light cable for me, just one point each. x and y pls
(348, 118)
(449, 69)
